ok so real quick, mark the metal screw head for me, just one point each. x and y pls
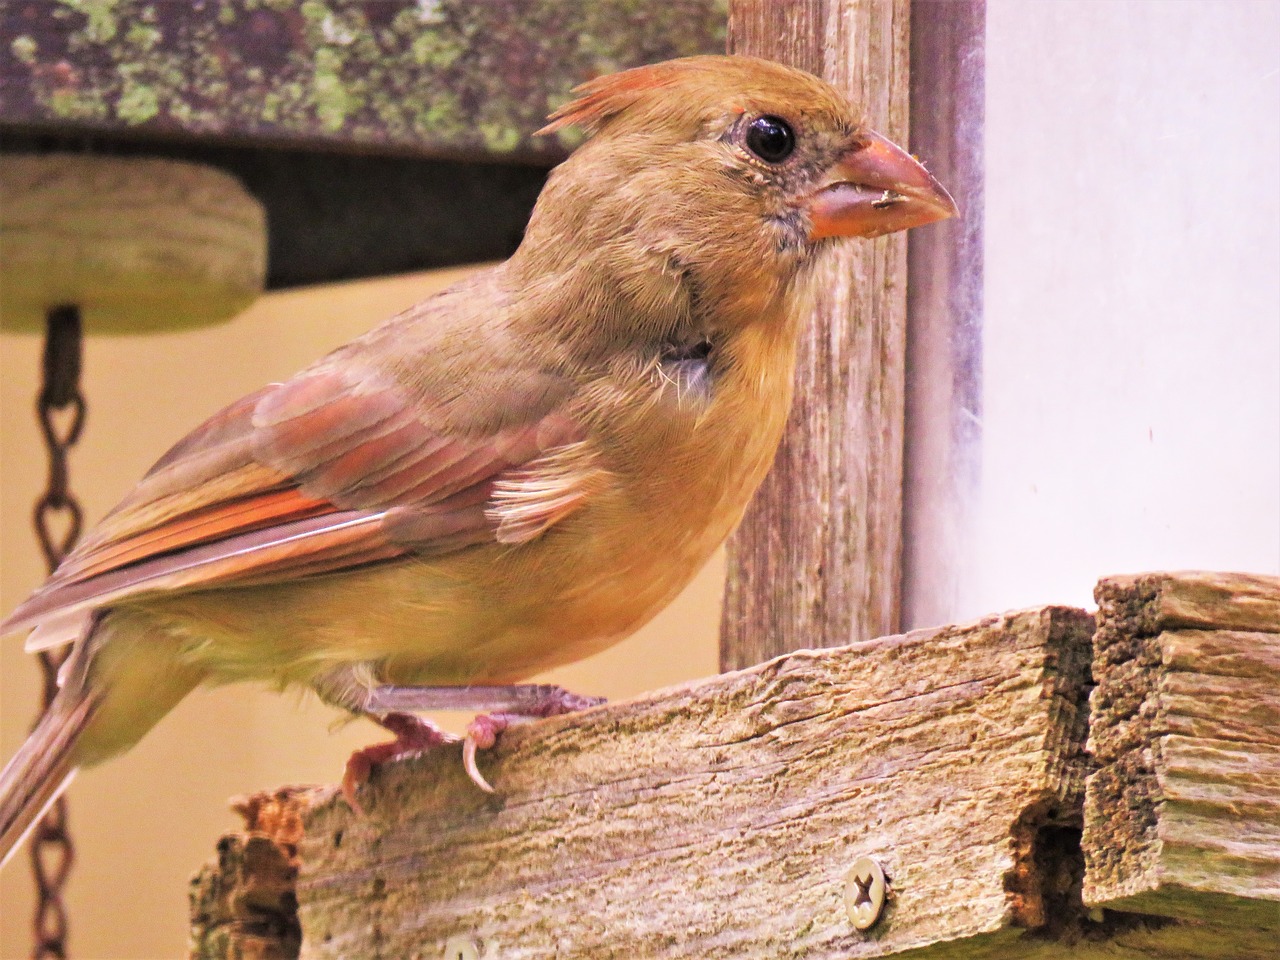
(461, 948)
(865, 890)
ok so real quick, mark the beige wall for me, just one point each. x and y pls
(145, 822)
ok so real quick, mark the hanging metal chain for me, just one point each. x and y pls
(60, 409)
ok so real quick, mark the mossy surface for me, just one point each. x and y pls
(434, 77)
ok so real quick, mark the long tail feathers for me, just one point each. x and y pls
(43, 767)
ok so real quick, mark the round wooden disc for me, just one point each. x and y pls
(139, 244)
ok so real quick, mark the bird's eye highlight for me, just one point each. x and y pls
(771, 139)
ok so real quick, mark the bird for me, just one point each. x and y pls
(514, 473)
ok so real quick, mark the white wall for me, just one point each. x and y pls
(1131, 352)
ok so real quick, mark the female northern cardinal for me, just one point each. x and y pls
(511, 475)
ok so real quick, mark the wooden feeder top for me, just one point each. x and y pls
(420, 77)
(380, 137)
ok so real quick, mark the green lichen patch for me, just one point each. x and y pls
(101, 21)
(24, 48)
(427, 76)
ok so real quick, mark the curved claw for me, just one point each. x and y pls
(469, 763)
(352, 777)
(483, 731)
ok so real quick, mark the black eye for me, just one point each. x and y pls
(770, 139)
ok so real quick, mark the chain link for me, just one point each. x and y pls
(60, 409)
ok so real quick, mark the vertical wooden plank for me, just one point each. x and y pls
(817, 561)
(944, 313)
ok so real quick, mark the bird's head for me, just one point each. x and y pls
(723, 174)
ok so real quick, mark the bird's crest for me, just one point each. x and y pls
(598, 101)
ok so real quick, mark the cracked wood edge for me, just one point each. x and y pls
(243, 905)
(719, 819)
(1182, 817)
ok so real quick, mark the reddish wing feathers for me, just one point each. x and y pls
(331, 470)
(211, 467)
(366, 447)
(202, 525)
(294, 548)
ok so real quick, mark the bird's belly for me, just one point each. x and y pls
(567, 598)
(486, 615)
(598, 605)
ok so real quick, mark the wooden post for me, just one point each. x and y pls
(816, 562)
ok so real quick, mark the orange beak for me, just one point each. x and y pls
(874, 189)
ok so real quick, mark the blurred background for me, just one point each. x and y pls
(1117, 409)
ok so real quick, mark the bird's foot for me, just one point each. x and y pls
(482, 732)
(414, 736)
(510, 704)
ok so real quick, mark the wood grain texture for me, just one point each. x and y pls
(719, 819)
(1182, 818)
(816, 562)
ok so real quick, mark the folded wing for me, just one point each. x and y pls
(338, 468)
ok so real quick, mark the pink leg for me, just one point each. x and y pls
(413, 737)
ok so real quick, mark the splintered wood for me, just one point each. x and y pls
(1182, 818)
(244, 906)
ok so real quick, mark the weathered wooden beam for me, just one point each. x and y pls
(1182, 818)
(445, 78)
(817, 561)
(721, 818)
